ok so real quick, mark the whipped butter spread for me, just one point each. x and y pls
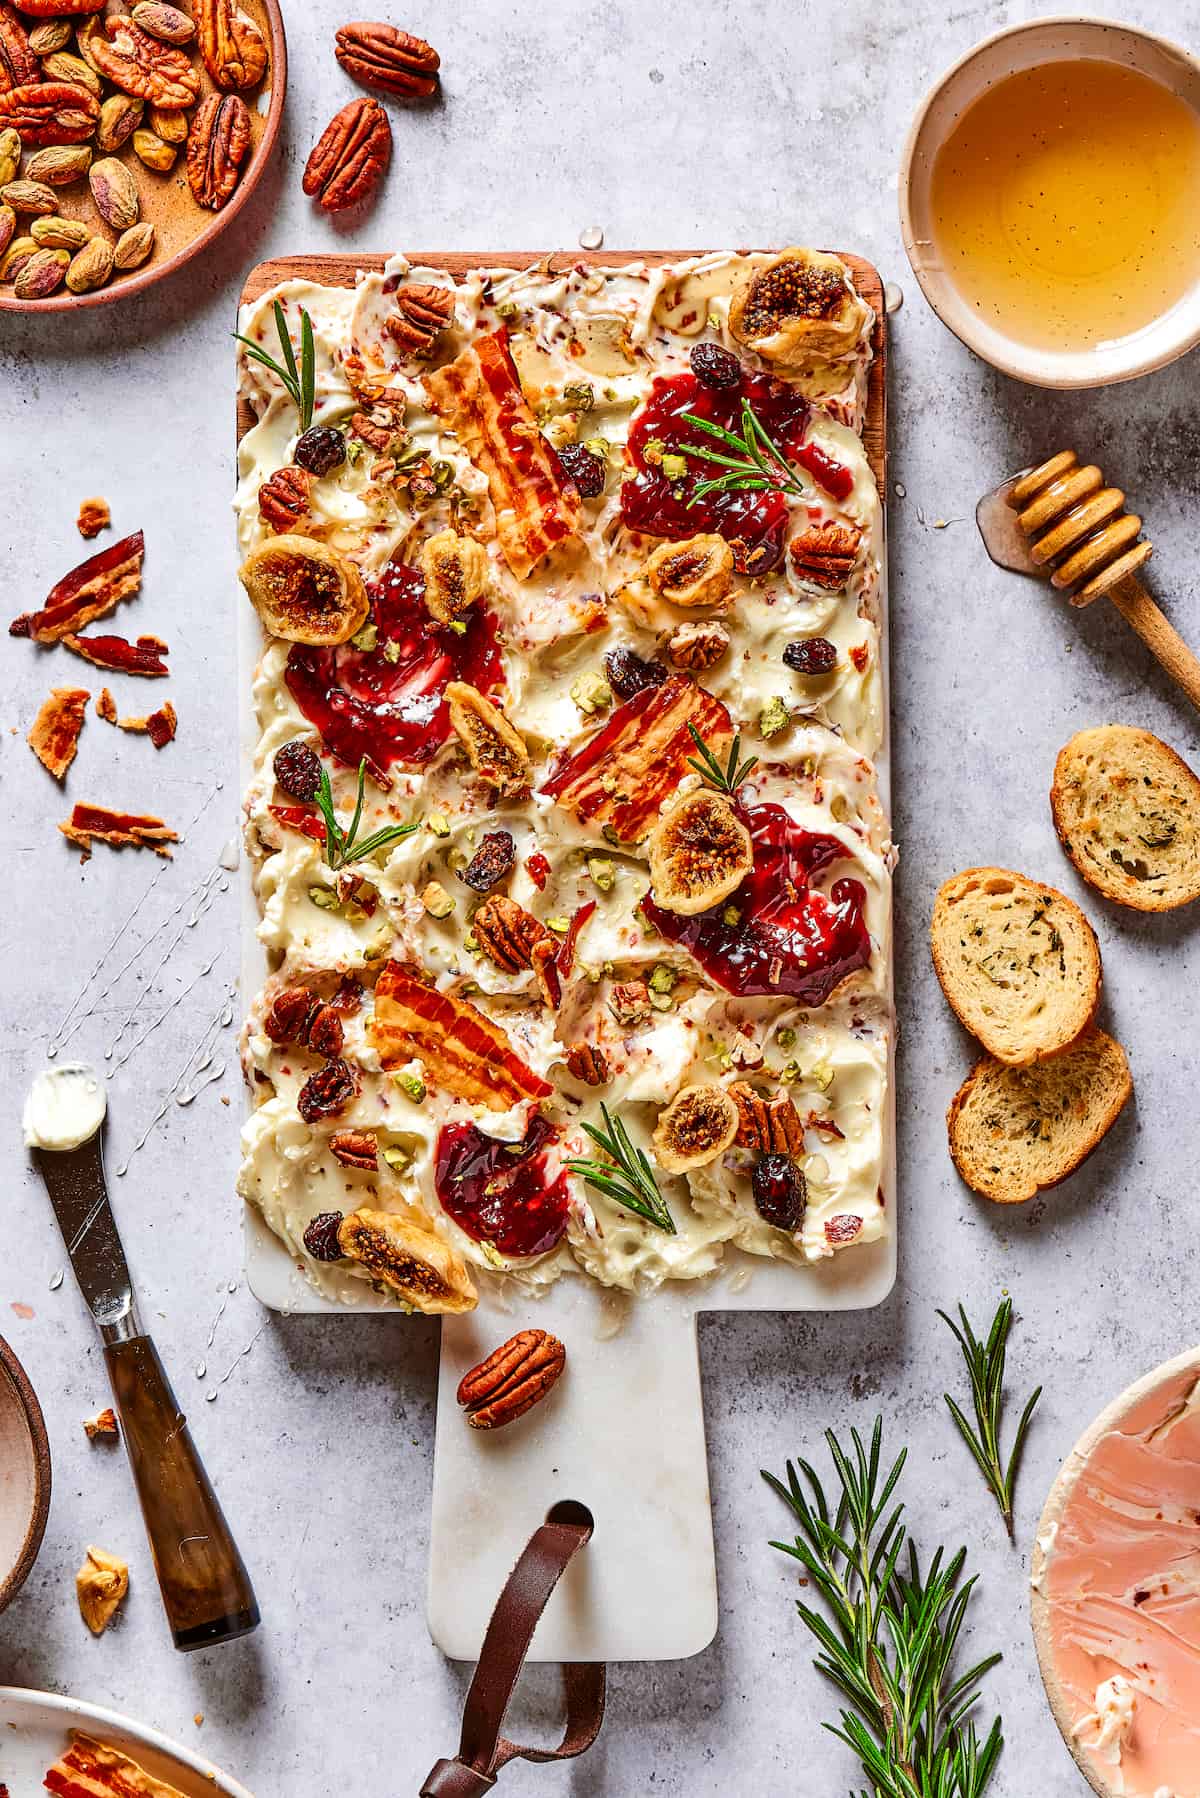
(65, 1107)
(1121, 1582)
(590, 353)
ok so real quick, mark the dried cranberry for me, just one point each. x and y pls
(814, 655)
(587, 471)
(629, 674)
(321, 450)
(780, 1192)
(712, 365)
(321, 1237)
(298, 769)
(491, 862)
(327, 1093)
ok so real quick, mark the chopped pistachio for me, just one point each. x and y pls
(396, 1158)
(471, 944)
(773, 718)
(786, 1038)
(491, 1253)
(599, 447)
(579, 395)
(391, 650)
(610, 835)
(820, 1075)
(790, 1072)
(663, 979)
(714, 321)
(732, 916)
(662, 1001)
(379, 945)
(839, 805)
(591, 692)
(602, 871)
(439, 824)
(559, 926)
(367, 638)
(459, 626)
(324, 898)
(674, 467)
(412, 1085)
(436, 900)
(355, 451)
(506, 308)
(725, 1060)
(654, 451)
(590, 971)
(443, 474)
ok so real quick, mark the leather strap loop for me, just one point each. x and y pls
(483, 1750)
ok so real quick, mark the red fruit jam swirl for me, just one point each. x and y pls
(388, 703)
(497, 1192)
(754, 523)
(786, 938)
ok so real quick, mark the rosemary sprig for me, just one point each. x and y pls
(300, 381)
(758, 465)
(727, 779)
(344, 846)
(985, 1365)
(627, 1177)
(889, 1640)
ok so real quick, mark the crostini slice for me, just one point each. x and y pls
(1127, 812)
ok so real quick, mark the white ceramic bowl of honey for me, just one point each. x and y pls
(1050, 201)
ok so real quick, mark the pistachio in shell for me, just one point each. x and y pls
(115, 192)
(59, 233)
(32, 197)
(41, 274)
(120, 116)
(305, 592)
(10, 155)
(92, 267)
(134, 246)
(60, 165)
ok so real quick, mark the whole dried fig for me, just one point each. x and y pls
(700, 853)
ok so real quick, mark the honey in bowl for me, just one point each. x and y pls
(1066, 204)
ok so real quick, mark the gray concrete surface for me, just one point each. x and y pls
(664, 124)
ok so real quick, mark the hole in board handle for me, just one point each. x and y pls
(569, 1510)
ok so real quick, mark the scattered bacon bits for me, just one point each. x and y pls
(538, 868)
(860, 655)
(94, 517)
(106, 706)
(123, 830)
(160, 726)
(103, 1426)
(55, 734)
(25, 1312)
(143, 657)
(88, 592)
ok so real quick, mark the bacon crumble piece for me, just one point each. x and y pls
(479, 398)
(89, 1769)
(461, 1050)
(88, 592)
(159, 726)
(106, 706)
(622, 776)
(55, 734)
(94, 517)
(90, 824)
(102, 1427)
(119, 655)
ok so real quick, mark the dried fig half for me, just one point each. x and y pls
(696, 572)
(699, 1124)
(799, 307)
(422, 1269)
(495, 748)
(700, 853)
(456, 574)
(305, 592)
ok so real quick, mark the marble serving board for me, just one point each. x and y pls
(623, 1431)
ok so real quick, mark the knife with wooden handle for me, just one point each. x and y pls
(205, 1587)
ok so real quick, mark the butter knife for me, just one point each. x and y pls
(206, 1590)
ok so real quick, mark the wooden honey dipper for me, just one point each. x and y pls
(1060, 520)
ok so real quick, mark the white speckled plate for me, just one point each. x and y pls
(35, 1728)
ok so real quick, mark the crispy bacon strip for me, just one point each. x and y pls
(88, 592)
(143, 657)
(124, 830)
(622, 776)
(90, 1769)
(55, 734)
(479, 396)
(461, 1050)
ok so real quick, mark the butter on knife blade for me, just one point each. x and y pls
(65, 1108)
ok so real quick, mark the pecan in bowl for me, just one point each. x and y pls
(350, 157)
(392, 60)
(217, 146)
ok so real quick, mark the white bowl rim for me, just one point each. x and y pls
(1036, 368)
(73, 1710)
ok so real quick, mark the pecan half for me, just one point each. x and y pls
(825, 554)
(233, 48)
(138, 64)
(298, 1016)
(629, 1002)
(350, 156)
(512, 1379)
(770, 1125)
(699, 645)
(422, 314)
(355, 1148)
(385, 57)
(382, 428)
(19, 66)
(507, 933)
(50, 112)
(217, 145)
(328, 1092)
(283, 499)
(587, 1064)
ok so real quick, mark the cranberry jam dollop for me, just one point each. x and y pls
(755, 523)
(785, 937)
(389, 703)
(498, 1192)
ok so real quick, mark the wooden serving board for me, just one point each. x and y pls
(623, 1432)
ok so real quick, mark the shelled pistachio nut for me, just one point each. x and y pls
(62, 66)
(17, 254)
(8, 226)
(172, 127)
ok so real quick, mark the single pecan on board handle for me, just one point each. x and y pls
(50, 112)
(19, 67)
(218, 142)
(351, 155)
(385, 57)
(512, 1379)
(233, 48)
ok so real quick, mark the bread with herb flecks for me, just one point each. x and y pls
(1127, 812)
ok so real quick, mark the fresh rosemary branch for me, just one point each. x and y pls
(758, 465)
(343, 846)
(727, 779)
(627, 1176)
(889, 1640)
(985, 1366)
(301, 382)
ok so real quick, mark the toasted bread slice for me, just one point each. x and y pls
(1127, 812)
(1017, 960)
(1015, 1131)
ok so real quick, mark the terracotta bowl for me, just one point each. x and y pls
(24, 1476)
(1024, 47)
(183, 229)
